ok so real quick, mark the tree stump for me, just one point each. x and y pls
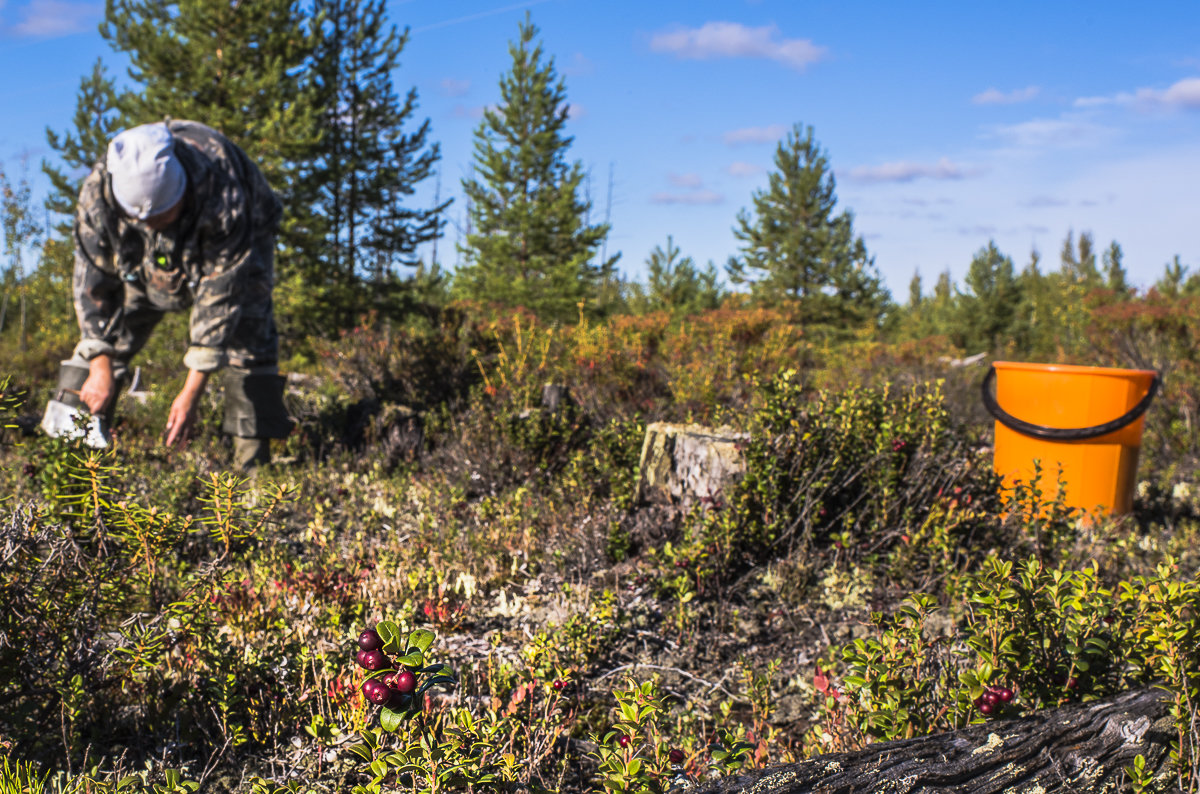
(685, 464)
(1083, 747)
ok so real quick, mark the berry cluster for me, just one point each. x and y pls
(393, 689)
(993, 699)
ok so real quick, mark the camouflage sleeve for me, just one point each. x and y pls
(98, 292)
(237, 278)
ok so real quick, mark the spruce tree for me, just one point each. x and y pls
(794, 248)
(530, 243)
(367, 167)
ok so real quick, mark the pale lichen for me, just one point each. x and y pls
(993, 742)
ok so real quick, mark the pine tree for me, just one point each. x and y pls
(1114, 270)
(240, 67)
(796, 248)
(368, 165)
(530, 243)
(914, 292)
(674, 283)
(989, 309)
(1080, 267)
(97, 119)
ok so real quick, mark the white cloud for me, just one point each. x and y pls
(1049, 133)
(685, 180)
(768, 134)
(740, 168)
(1182, 95)
(692, 197)
(906, 171)
(731, 40)
(454, 88)
(993, 96)
(46, 18)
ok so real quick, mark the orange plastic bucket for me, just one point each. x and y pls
(1088, 420)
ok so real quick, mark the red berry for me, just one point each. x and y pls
(623, 740)
(1072, 682)
(370, 640)
(991, 698)
(374, 660)
(361, 658)
(406, 682)
(558, 684)
(1005, 694)
(986, 708)
(675, 756)
(376, 692)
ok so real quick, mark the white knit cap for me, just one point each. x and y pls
(147, 178)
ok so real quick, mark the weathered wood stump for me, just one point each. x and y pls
(684, 464)
(1076, 748)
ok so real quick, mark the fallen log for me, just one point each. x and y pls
(1082, 747)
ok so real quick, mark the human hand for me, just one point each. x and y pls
(100, 387)
(181, 419)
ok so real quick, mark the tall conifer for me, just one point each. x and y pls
(240, 67)
(795, 248)
(530, 243)
(368, 165)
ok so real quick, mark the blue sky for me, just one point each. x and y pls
(948, 124)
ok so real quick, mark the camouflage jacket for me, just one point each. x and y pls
(207, 260)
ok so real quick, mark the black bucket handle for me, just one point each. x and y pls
(1063, 433)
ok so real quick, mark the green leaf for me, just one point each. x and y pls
(390, 720)
(421, 639)
(362, 751)
(413, 658)
(389, 632)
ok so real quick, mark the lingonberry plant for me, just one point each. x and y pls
(1030, 637)
(400, 672)
(634, 754)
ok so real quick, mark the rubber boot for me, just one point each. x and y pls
(250, 453)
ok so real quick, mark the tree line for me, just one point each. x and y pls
(308, 90)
